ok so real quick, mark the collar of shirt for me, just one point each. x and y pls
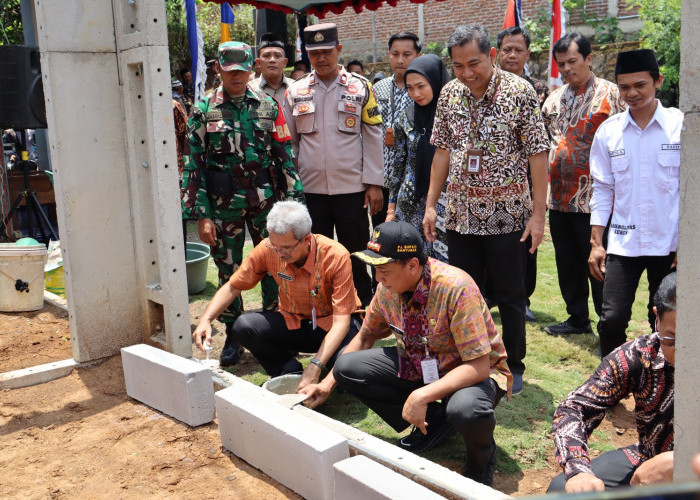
(420, 294)
(311, 258)
(659, 361)
(659, 117)
(264, 83)
(591, 83)
(341, 79)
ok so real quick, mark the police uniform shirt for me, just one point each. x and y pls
(639, 170)
(261, 84)
(336, 133)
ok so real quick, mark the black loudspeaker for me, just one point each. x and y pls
(21, 90)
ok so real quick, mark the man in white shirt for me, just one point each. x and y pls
(635, 161)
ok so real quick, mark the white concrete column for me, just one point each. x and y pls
(107, 83)
(687, 397)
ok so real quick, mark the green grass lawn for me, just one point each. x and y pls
(555, 366)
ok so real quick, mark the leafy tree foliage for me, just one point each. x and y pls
(11, 23)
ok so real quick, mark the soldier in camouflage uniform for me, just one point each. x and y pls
(240, 162)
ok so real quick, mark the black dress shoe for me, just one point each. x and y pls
(568, 328)
(486, 475)
(529, 316)
(438, 431)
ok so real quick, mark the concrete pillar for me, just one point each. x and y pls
(106, 82)
(687, 397)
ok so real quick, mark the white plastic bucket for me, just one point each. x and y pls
(284, 384)
(22, 277)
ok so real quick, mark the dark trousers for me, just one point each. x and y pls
(266, 336)
(612, 467)
(571, 237)
(371, 376)
(530, 274)
(345, 214)
(377, 219)
(500, 257)
(621, 281)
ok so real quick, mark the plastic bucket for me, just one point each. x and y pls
(284, 384)
(55, 281)
(197, 262)
(22, 277)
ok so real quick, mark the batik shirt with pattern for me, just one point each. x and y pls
(401, 100)
(234, 138)
(507, 126)
(572, 118)
(638, 367)
(401, 182)
(448, 310)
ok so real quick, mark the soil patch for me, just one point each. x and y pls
(83, 436)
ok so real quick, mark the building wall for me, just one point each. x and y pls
(439, 19)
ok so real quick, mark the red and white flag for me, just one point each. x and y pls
(558, 31)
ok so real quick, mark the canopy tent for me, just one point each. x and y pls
(318, 8)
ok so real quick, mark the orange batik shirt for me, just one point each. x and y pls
(324, 281)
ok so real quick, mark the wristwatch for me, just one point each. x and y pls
(317, 362)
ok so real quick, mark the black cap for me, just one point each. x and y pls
(634, 61)
(270, 40)
(321, 36)
(391, 241)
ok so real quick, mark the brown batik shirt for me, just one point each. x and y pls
(505, 124)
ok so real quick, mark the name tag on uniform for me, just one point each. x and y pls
(670, 147)
(285, 276)
(430, 370)
(616, 152)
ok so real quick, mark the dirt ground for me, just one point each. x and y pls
(83, 436)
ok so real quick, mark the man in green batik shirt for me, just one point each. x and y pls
(240, 162)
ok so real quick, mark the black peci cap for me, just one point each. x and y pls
(391, 241)
(634, 61)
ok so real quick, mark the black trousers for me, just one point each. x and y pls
(345, 214)
(501, 257)
(571, 237)
(612, 467)
(371, 376)
(377, 219)
(621, 281)
(266, 336)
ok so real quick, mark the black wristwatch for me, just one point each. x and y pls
(317, 362)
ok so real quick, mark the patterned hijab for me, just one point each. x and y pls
(433, 69)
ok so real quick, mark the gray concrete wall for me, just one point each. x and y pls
(687, 398)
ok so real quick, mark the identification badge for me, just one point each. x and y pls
(389, 137)
(313, 317)
(430, 370)
(473, 158)
(285, 276)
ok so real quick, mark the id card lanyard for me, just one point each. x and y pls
(429, 365)
(474, 156)
(316, 285)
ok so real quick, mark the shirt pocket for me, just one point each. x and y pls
(220, 137)
(304, 117)
(349, 117)
(620, 167)
(670, 162)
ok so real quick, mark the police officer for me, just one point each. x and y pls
(240, 161)
(334, 121)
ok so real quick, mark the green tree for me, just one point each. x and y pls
(661, 32)
(11, 23)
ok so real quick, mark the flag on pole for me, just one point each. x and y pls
(558, 31)
(196, 43)
(227, 19)
(514, 14)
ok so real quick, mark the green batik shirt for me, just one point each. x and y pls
(240, 155)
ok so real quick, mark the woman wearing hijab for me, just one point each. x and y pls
(409, 177)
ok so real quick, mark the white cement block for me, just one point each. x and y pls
(37, 374)
(360, 477)
(284, 445)
(179, 387)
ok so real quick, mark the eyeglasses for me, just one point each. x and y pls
(282, 251)
(668, 341)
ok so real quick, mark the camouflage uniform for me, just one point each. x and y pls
(240, 161)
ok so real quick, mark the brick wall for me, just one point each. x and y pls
(439, 19)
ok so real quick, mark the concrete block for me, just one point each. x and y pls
(179, 387)
(37, 374)
(284, 445)
(360, 477)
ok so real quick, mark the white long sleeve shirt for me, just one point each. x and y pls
(637, 171)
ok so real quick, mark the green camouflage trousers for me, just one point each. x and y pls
(228, 252)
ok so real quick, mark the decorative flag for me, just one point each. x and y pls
(227, 18)
(558, 31)
(514, 14)
(196, 43)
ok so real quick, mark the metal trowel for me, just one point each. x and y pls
(291, 400)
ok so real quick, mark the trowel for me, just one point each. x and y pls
(291, 400)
